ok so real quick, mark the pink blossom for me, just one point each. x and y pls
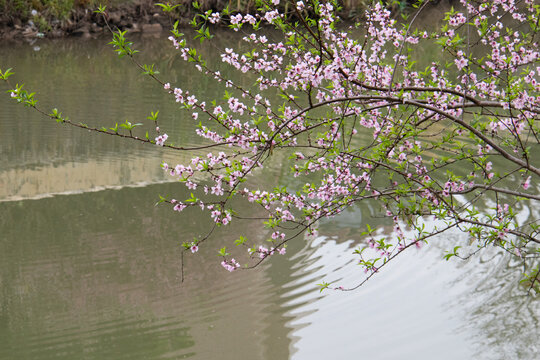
(160, 140)
(461, 63)
(214, 18)
(527, 183)
(191, 100)
(191, 185)
(236, 19)
(218, 110)
(230, 265)
(250, 19)
(179, 207)
(457, 20)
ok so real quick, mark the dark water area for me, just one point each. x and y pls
(91, 269)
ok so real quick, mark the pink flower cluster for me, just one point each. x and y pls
(264, 252)
(160, 139)
(230, 265)
(361, 120)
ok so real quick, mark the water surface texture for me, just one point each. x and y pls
(90, 268)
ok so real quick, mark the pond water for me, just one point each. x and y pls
(90, 268)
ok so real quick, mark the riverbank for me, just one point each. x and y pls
(27, 19)
(81, 21)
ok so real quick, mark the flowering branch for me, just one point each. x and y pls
(450, 139)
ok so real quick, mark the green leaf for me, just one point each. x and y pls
(6, 74)
(223, 251)
(323, 285)
(153, 116)
(149, 70)
(162, 199)
(129, 126)
(242, 240)
(101, 9)
(193, 199)
(167, 7)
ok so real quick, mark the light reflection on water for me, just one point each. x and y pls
(95, 273)
(419, 307)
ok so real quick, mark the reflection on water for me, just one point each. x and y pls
(420, 307)
(505, 320)
(74, 282)
(398, 316)
(95, 273)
